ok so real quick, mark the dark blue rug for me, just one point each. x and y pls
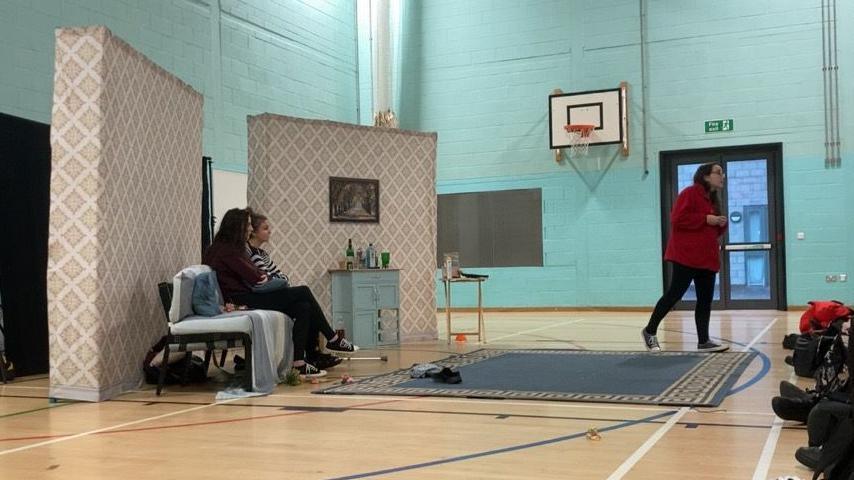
(666, 378)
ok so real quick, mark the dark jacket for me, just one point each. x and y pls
(693, 242)
(234, 271)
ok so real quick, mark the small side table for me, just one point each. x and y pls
(481, 331)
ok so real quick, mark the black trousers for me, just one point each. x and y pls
(704, 284)
(298, 303)
(823, 419)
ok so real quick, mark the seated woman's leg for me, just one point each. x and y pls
(280, 301)
(319, 322)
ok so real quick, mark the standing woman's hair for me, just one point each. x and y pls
(700, 175)
(232, 228)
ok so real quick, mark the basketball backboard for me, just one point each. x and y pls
(604, 109)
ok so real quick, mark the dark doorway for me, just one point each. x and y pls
(752, 274)
(24, 211)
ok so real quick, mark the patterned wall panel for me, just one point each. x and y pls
(125, 208)
(290, 162)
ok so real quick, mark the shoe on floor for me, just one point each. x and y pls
(790, 390)
(711, 347)
(324, 361)
(341, 345)
(808, 456)
(447, 375)
(650, 341)
(308, 370)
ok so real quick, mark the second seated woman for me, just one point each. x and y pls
(237, 276)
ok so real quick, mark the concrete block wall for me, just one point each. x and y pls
(482, 81)
(296, 57)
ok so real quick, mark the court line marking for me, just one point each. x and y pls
(114, 427)
(497, 451)
(767, 455)
(650, 442)
(538, 329)
(760, 335)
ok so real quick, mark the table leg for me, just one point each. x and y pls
(480, 326)
(448, 307)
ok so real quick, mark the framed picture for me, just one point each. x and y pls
(354, 200)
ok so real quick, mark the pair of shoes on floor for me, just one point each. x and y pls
(341, 344)
(324, 361)
(808, 456)
(446, 375)
(308, 370)
(711, 347)
(650, 341)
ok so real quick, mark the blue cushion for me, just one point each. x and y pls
(206, 296)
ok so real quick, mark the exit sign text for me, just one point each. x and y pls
(713, 126)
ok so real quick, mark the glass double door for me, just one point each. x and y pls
(752, 254)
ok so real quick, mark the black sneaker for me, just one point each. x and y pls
(650, 341)
(711, 347)
(809, 456)
(308, 370)
(342, 345)
(324, 361)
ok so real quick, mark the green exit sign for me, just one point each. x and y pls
(713, 126)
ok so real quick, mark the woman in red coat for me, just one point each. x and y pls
(693, 249)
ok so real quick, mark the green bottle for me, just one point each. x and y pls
(349, 254)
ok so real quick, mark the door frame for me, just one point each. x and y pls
(773, 153)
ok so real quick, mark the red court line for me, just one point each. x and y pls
(196, 424)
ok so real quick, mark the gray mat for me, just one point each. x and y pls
(666, 378)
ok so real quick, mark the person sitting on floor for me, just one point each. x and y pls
(237, 275)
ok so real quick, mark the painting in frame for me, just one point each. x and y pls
(354, 200)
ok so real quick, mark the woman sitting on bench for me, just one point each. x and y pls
(237, 276)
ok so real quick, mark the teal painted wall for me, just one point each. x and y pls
(292, 57)
(479, 73)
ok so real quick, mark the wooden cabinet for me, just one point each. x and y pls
(366, 304)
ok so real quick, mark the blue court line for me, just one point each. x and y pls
(502, 450)
(766, 367)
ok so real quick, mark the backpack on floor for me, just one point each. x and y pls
(179, 366)
(831, 374)
(808, 353)
(821, 313)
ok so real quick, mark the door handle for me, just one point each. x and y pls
(749, 246)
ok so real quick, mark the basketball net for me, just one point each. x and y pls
(579, 138)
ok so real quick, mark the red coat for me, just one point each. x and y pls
(693, 242)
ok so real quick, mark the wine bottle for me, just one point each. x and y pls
(349, 254)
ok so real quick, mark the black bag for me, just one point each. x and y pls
(189, 367)
(193, 366)
(809, 352)
(831, 374)
(789, 341)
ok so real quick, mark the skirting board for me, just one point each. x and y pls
(86, 394)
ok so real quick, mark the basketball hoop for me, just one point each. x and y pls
(579, 138)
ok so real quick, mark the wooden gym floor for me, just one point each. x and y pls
(293, 434)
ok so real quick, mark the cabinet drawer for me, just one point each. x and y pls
(375, 276)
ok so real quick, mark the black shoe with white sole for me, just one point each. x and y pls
(711, 347)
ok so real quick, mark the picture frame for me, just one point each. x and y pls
(354, 200)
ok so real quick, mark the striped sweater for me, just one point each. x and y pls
(262, 260)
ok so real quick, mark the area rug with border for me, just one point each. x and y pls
(664, 378)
